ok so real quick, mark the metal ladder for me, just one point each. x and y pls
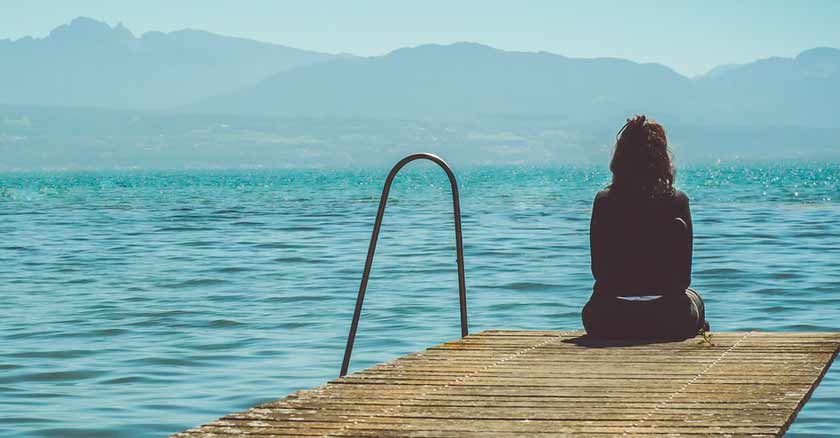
(459, 247)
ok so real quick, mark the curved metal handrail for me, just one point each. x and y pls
(459, 247)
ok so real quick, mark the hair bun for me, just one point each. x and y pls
(634, 123)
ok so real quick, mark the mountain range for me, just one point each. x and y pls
(467, 79)
(92, 95)
(89, 63)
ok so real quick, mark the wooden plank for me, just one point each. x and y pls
(512, 384)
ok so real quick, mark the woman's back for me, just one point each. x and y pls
(638, 247)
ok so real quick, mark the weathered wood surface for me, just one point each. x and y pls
(518, 384)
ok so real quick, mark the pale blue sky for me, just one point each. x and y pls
(690, 37)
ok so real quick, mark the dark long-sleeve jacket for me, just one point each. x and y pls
(640, 245)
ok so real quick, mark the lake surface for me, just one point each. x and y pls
(138, 304)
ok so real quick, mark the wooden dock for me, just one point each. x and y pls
(558, 384)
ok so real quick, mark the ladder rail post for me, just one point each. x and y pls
(459, 248)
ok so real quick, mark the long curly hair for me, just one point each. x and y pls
(642, 163)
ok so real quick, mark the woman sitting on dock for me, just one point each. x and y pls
(641, 245)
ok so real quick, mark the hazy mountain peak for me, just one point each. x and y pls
(453, 48)
(468, 45)
(819, 54)
(826, 59)
(83, 29)
(820, 62)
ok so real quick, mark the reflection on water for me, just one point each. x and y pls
(140, 304)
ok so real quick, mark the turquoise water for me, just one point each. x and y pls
(137, 304)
